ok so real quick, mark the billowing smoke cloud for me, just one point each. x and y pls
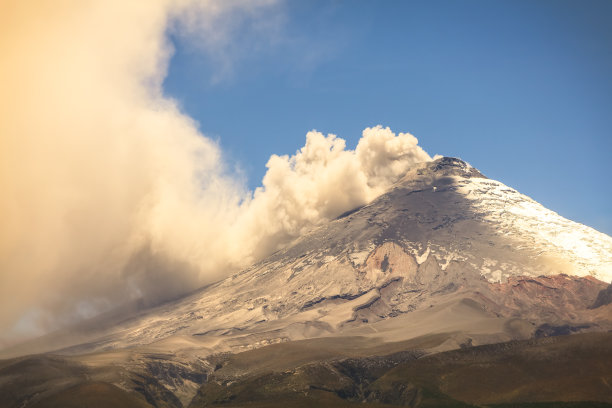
(110, 193)
(322, 181)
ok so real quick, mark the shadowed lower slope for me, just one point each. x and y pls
(565, 371)
(572, 371)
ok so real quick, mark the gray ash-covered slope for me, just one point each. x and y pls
(445, 249)
(445, 252)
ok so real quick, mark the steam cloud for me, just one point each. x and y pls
(110, 193)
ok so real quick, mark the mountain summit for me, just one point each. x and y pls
(445, 250)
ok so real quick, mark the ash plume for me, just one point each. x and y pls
(110, 193)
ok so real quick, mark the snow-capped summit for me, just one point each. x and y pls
(547, 243)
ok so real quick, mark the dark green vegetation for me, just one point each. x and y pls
(92, 395)
(566, 368)
(46, 381)
(565, 371)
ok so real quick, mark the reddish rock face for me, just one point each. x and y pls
(557, 291)
(392, 261)
(556, 300)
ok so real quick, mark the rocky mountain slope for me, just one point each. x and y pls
(446, 251)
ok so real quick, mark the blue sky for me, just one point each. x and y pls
(520, 89)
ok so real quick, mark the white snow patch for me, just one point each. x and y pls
(516, 215)
(422, 258)
(359, 257)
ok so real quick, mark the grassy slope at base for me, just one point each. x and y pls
(92, 395)
(564, 371)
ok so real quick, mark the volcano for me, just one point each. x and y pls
(422, 297)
